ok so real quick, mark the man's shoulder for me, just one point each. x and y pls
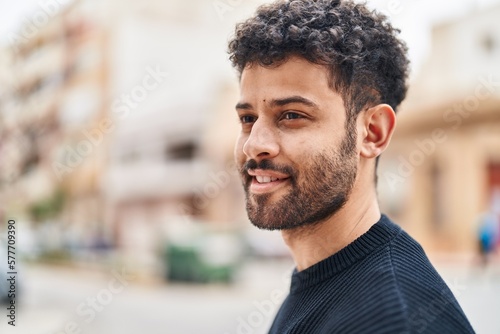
(410, 262)
(405, 251)
(417, 281)
(429, 304)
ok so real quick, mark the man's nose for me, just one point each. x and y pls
(262, 143)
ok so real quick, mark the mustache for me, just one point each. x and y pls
(266, 164)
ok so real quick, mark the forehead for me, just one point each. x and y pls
(294, 77)
(293, 68)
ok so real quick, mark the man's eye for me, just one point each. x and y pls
(247, 119)
(291, 115)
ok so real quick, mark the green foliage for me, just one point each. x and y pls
(47, 208)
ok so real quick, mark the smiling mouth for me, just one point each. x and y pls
(267, 179)
(262, 181)
(266, 184)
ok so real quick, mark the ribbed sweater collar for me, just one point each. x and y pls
(379, 234)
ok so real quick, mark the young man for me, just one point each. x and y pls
(320, 82)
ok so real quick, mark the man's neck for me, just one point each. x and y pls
(311, 244)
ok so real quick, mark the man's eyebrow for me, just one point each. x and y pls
(243, 106)
(280, 102)
(293, 99)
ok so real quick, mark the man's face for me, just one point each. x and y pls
(298, 161)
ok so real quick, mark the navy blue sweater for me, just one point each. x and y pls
(380, 283)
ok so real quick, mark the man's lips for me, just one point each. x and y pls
(266, 176)
(264, 181)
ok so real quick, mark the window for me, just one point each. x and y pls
(181, 151)
(437, 195)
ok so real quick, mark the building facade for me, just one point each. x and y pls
(441, 172)
(115, 121)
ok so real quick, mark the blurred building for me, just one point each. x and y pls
(442, 170)
(116, 121)
(56, 86)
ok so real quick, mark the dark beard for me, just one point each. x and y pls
(319, 191)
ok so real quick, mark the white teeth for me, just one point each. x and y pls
(265, 179)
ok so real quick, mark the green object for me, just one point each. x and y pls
(185, 264)
(48, 208)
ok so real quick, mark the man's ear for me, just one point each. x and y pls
(378, 125)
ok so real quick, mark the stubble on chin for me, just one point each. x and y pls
(307, 203)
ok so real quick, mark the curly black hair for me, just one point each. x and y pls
(366, 60)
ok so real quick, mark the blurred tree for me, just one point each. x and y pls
(49, 207)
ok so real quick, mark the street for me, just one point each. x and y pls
(57, 300)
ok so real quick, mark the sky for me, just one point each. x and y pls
(415, 18)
